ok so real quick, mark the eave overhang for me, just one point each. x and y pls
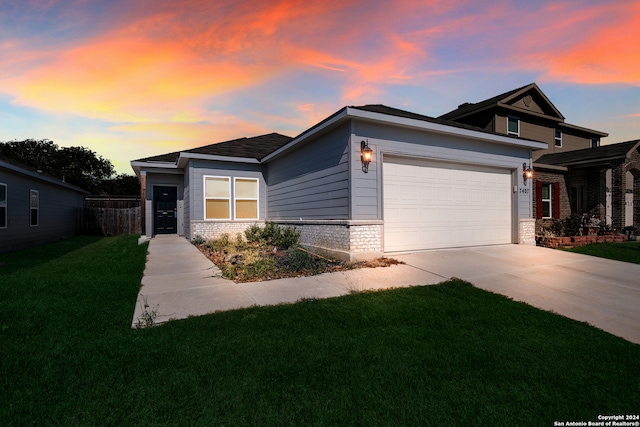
(445, 129)
(348, 113)
(184, 158)
(41, 177)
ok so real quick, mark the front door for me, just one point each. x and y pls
(165, 203)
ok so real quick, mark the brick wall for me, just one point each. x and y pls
(527, 231)
(351, 240)
(548, 177)
(215, 229)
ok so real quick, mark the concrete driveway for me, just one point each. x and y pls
(601, 292)
(179, 281)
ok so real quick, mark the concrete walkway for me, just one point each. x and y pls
(180, 282)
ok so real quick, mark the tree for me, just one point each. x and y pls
(75, 165)
(121, 185)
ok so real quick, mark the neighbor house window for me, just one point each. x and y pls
(595, 142)
(546, 200)
(246, 198)
(513, 126)
(3, 205)
(34, 207)
(217, 197)
(558, 138)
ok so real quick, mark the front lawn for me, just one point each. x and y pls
(449, 354)
(627, 251)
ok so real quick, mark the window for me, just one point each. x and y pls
(217, 198)
(220, 200)
(246, 198)
(34, 207)
(3, 205)
(558, 138)
(513, 126)
(546, 200)
(595, 142)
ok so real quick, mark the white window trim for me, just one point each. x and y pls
(204, 197)
(550, 200)
(257, 198)
(37, 208)
(556, 139)
(3, 204)
(596, 140)
(517, 121)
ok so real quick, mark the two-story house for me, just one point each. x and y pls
(575, 174)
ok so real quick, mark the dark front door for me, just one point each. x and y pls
(165, 202)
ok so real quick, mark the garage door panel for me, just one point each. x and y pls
(438, 205)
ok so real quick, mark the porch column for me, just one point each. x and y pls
(618, 194)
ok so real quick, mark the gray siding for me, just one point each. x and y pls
(186, 206)
(387, 140)
(312, 181)
(161, 177)
(58, 212)
(202, 168)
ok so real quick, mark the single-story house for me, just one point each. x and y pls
(35, 208)
(365, 181)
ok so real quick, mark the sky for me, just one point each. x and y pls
(130, 79)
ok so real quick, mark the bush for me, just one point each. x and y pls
(218, 244)
(263, 267)
(272, 234)
(299, 260)
(572, 225)
(253, 233)
(198, 240)
(568, 227)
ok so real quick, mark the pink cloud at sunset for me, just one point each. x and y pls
(606, 54)
(186, 72)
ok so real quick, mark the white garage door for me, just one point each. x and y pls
(429, 205)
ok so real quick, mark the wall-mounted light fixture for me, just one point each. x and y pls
(365, 156)
(527, 173)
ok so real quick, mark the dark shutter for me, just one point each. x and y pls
(538, 199)
(556, 200)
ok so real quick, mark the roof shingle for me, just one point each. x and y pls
(256, 147)
(603, 152)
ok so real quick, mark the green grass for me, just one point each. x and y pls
(627, 251)
(449, 354)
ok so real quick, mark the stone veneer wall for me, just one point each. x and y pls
(527, 231)
(351, 240)
(215, 229)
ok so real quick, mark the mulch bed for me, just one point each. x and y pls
(223, 260)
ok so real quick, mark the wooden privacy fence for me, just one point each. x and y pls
(110, 221)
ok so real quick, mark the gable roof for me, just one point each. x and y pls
(396, 117)
(256, 148)
(383, 109)
(590, 155)
(503, 100)
(390, 111)
(265, 147)
(20, 168)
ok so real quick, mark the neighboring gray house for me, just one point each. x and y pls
(430, 184)
(35, 208)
